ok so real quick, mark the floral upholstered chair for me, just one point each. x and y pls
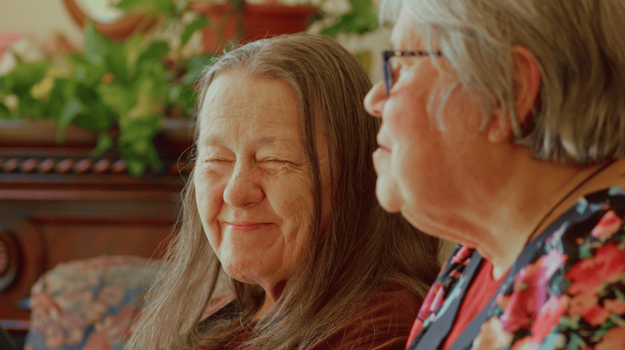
(88, 304)
(91, 304)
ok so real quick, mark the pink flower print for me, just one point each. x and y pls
(587, 306)
(97, 341)
(492, 336)
(462, 255)
(614, 339)
(54, 335)
(522, 301)
(73, 326)
(596, 315)
(503, 301)
(424, 311)
(548, 317)
(111, 295)
(607, 226)
(608, 265)
(438, 300)
(615, 306)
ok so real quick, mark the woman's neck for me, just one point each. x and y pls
(535, 199)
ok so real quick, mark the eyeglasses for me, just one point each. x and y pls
(388, 70)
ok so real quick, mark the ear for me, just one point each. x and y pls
(526, 79)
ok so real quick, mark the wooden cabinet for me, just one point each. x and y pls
(58, 204)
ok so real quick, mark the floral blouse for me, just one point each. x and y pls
(565, 291)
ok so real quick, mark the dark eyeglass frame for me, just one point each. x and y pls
(388, 71)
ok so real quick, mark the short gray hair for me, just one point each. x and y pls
(580, 49)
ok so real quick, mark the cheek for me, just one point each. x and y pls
(291, 198)
(209, 199)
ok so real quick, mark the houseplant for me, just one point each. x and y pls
(123, 90)
(126, 89)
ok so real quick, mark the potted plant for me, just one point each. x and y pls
(123, 90)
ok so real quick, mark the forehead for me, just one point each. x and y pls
(405, 35)
(240, 103)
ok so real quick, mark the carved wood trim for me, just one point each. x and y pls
(9, 258)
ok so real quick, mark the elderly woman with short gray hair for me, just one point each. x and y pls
(503, 130)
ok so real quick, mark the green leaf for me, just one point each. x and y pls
(362, 19)
(154, 53)
(135, 142)
(104, 143)
(584, 251)
(117, 63)
(96, 46)
(5, 113)
(135, 167)
(117, 97)
(191, 28)
(30, 107)
(576, 342)
(148, 7)
(71, 109)
(95, 117)
(85, 71)
(21, 79)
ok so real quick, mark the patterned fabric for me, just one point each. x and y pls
(565, 291)
(88, 304)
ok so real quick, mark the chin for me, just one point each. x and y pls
(387, 195)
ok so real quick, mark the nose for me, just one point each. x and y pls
(243, 189)
(375, 99)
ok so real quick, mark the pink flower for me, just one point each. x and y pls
(587, 306)
(596, 315)
(528, 290)
(462, 255)
(492, 336)
(616, 306)
(607, 226)
(608, 265)
(581, 303)
(54, 335)
(97, 341)
(614, 339)
(548, 317)
(429, 298)
(111, 295)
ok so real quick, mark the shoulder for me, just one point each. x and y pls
(384, 323)
(572, 290)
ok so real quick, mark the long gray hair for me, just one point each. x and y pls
(363, 248)
(580, 49)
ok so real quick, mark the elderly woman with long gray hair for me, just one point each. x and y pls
(280, 203)
(503, 130)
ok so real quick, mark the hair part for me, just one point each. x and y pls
(333, 280)
(580, 111)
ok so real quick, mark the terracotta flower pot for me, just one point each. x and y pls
(259, 21)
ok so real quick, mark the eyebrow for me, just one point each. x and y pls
(263, 141)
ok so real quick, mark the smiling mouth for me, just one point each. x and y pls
(383, 149)
(246, 226)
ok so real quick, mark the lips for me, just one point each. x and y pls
(246, 226)
(382, 145)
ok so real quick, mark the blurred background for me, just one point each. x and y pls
(95, 101)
